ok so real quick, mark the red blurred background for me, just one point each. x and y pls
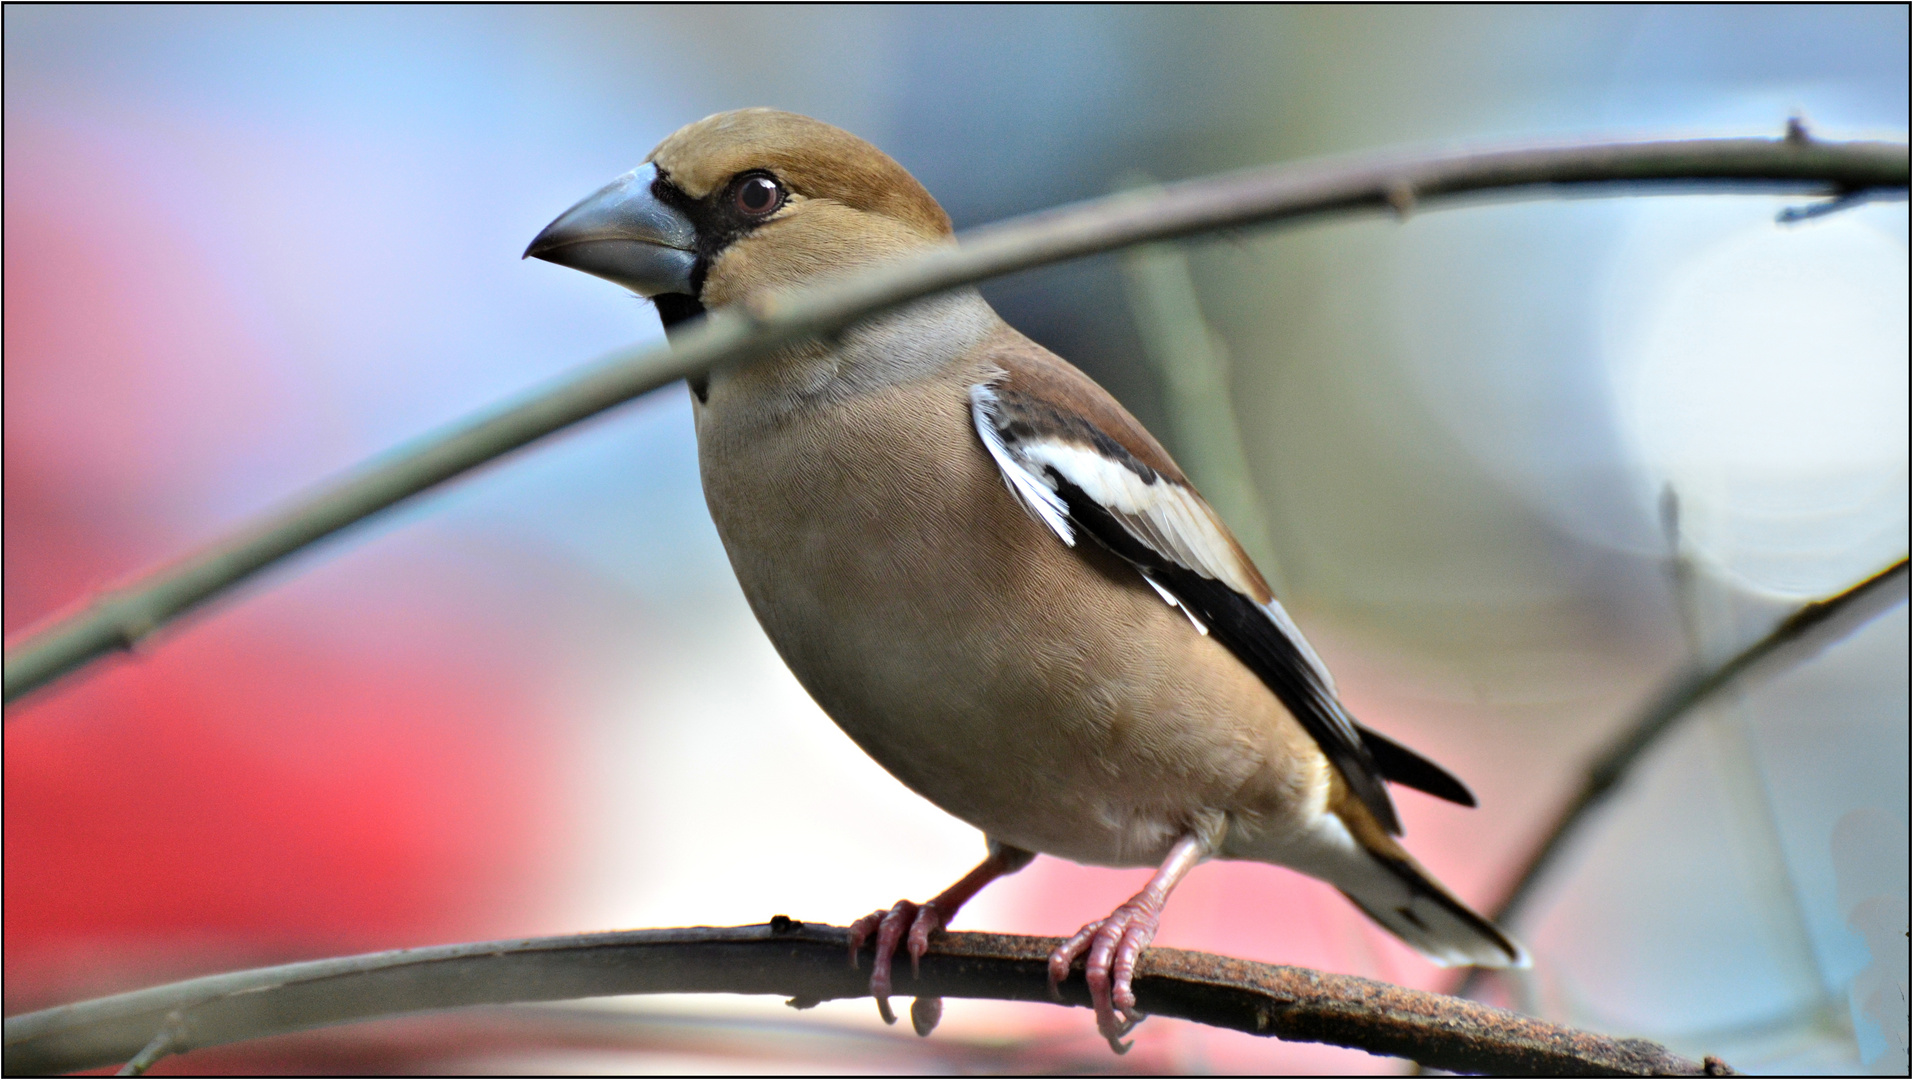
(246, 248)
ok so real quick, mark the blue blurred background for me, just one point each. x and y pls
(248, 247)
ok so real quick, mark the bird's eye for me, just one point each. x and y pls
(759, 195)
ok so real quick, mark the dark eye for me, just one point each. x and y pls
(759, 195)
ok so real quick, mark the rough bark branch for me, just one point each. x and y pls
(1799, 637)
(1395, 182)
(807, 963)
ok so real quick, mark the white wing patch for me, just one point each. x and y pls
(1169, 517)
(1033, 490)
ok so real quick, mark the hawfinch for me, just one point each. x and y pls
(992, 577)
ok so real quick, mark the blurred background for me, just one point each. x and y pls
(246, 248)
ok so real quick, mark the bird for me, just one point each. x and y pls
(992, 577)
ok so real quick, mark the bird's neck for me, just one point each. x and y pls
(900, 347)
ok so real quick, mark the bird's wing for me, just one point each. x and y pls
(1083, 466)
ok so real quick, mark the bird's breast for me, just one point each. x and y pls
(1042, 693)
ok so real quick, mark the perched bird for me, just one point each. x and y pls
(991, 576)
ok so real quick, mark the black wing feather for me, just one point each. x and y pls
(1242, 626)
(1409, 769)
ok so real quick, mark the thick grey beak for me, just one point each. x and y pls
(622, 233)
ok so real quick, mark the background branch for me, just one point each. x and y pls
(1192, 361)
(807, 963)
(1394, 181)
(1798, 637)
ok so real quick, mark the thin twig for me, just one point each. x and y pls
(1752, 824)
(1194, 365)
(1793, 215)
(120, 618)
(1800, 636)
(807, 963)
(161, 1044)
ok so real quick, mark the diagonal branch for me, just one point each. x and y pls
(807, 963)
(1800, 636)
(1393, 181)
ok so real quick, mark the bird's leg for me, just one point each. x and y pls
(1114, 944)
(919, 921)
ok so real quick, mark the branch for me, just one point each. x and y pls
(807, 964)
(1799, 637)
(417, 1043)
(120, 618)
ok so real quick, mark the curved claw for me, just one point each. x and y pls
(914, 923)
(1113, 945)
(910, 924)
(1115, 1035)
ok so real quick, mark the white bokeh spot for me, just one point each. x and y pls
(1767, 383)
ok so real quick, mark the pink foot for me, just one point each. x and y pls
(918, 921)
(1114, 945)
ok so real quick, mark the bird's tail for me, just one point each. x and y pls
(1393, 889)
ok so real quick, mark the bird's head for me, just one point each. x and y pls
(743, 201)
